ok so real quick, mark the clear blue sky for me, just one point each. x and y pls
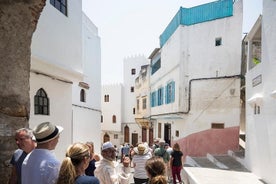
(132, 27)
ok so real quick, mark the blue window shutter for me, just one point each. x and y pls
(173, 91)
(151, 100)
(155, 98)
(166, 94)
(162, 95)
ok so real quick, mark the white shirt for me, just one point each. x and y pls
(110, 172)
(40, 167)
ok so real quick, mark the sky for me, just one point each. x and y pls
(129, 28)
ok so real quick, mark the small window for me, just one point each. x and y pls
(101, 118)
(218, 42)
(144, 103)
(137, 104)
(133, 110)
(257, 109)
(217, 125)
(41, 102)
(177, 133)
(116, 136)
(113, 119)
(82, 95)
(155, 66)
(131, 89)
(106, 98)
(61, 5)
(133, 71)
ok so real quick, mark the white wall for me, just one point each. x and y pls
(60, 95)
(66, 51)
(260, 128)
(61, 40)
(129, 100)
(86, 126)
(113, 107)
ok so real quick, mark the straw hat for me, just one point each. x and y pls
(46, 132)
(141, 149)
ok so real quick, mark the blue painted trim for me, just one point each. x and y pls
(198, 14)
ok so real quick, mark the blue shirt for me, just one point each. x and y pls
(17, 160)
(87, 180)
(40, 167)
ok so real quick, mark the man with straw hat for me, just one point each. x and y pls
(41, 166)
(140, 157)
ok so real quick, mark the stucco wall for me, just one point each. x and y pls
(201, 143)
(260, 152)
(60, 97)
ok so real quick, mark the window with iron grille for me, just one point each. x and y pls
(41, 102)
(61, 5)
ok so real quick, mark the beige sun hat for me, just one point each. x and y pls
(46, 132)
(141, 149)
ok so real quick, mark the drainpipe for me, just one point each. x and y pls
(190, 92)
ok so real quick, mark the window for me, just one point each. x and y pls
(101, 118)
(144, 134)
(170, 92)
(218, 42)
(41, 102)
(133, 71)
(217, 125)
(82, 95)
(144, 103)
(116, 136)
(155, 66)
(160, 96)
(137, 104)
(177, 133)
(153, 99)
(131, 89)
(159, 130)
(106, 98)
(133, 110)
(61, 5)
(113, 119)
(257, 109)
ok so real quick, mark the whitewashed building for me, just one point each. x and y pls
(195, 78)
(132, 67)
(142, 94)
(260, 154)
(65, 85)
(111, 121)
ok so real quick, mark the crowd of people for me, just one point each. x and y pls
(34, 161)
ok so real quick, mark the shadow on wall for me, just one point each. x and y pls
(213, 141)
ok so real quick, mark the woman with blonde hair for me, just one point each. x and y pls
(156, 170)
(72, 170)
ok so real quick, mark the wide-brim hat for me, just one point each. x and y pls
(141, 149)
(46, 132)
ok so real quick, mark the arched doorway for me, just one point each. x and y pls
(106, 138)
(126, 134)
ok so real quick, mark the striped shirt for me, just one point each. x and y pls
(140, 162)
